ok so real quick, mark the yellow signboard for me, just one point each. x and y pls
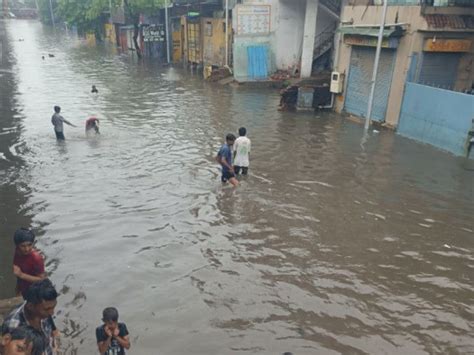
(367, 41)
(447, 45)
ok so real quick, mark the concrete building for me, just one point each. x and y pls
(291, 35)
(428, 42)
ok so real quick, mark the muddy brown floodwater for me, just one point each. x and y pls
(327, 248)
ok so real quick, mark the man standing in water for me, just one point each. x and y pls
(224, 158)
(241, 153)
(57, 120)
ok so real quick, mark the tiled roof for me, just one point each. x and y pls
(457, 22)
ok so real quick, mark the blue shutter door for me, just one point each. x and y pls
(360, 74)
(257, 57)
(439, 70)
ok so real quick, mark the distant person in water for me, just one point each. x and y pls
(224, 158)
(28, 264)
(92, 124)
(57, 120)
(94, 90)
(112, 336)
(241, 153)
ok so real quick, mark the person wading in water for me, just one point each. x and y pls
(57, 120)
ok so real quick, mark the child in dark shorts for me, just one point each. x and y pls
(224, 158)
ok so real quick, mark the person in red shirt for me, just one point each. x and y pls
(92, 124)
(28, 264)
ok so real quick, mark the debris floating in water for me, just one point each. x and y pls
(376, 215)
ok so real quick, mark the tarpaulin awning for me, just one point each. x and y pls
(370, 31)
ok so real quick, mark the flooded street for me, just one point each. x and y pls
(326, 248)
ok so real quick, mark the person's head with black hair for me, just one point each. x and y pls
(57, 109)
(41, 299)
(112, 336)
(24, 340)
(110, 317)
(242, 131)
(24, 239)
(230, 139)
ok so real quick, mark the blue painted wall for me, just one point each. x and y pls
(435, 116)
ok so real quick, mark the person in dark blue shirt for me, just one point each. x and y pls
(112, 336)
(224, 158)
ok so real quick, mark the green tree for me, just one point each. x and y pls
(88, 15)
(44, 12)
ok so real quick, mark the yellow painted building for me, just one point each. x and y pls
(202, 41)
(90, 39)
(110, 33)
(213, 41)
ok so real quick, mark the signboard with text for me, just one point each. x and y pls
(354, 40)
(154, 33)
(447, 45)
(253, 19)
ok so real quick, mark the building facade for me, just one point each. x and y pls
(429, 42)
(296, 36)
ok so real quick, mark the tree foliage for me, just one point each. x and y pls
(136, 7)
(87, 14)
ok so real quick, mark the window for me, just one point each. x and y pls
(208, 29)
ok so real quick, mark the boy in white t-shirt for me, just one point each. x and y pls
(241, 153)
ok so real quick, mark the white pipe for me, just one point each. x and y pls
(376, 67)
(227, 33)
(167, 33)
(331, 104)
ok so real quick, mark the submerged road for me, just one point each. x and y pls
(326, 248)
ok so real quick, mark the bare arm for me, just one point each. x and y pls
(224, 162)
(124, 341)
(69, 123)
(30, 278)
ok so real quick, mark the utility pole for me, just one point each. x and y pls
(167, 33)
(376, 67)
(227, 33)
(5, 9)
(52, 15)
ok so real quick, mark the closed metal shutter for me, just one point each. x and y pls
(439, 69)
(360, 75)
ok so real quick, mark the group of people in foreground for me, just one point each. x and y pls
(30, 329)
(234, 157)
